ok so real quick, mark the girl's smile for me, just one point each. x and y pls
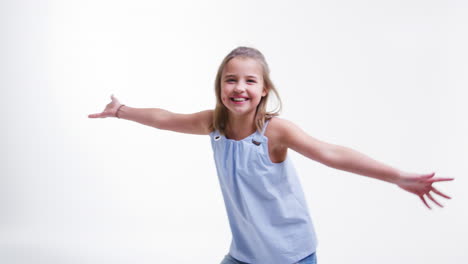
(239, 100)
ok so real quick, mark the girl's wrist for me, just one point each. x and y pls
(401, 176)
(117, 112)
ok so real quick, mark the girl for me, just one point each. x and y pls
(267, 211)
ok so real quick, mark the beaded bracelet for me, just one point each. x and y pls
(117, 112)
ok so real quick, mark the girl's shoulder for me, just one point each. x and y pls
(277, 128)
(284, 132)
(278, 125)
(275, 133)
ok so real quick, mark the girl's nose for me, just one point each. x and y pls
(240, 87)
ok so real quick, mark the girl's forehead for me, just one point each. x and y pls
(243, 66)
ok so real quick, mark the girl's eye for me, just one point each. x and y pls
(234, 80)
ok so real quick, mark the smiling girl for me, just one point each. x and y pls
(267, 211)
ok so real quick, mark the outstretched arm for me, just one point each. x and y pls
(196, 123)
(350, 160)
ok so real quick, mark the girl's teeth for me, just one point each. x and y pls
(239, 99)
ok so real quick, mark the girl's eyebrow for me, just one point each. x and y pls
(248, 76)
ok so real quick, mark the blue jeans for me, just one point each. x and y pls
(311, 259)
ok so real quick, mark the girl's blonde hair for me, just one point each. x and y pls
(220, 116)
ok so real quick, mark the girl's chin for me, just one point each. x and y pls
(240, 112)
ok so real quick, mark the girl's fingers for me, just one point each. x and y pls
(440, 179)
(113, 98)
(424, 201)
(434, 200)
(105, 112)
(94, 115)
(441, 194)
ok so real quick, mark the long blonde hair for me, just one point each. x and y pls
(220, 116)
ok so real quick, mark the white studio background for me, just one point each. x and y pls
(387, 78)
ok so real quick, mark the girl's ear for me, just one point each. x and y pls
(265, 91)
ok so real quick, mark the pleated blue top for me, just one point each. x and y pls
(268, 214)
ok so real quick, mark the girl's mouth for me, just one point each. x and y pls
(239, 100)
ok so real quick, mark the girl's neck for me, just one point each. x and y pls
(240, 127)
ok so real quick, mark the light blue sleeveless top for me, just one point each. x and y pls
(268, 214)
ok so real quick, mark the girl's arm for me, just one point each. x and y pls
(347, 159)
(196, 123)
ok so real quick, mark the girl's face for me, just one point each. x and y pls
(242, 85)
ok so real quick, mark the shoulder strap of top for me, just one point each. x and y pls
(265, 126)
(259, 137)
(215, 134)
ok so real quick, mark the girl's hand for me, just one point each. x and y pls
(110, 109)
(421, 184)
